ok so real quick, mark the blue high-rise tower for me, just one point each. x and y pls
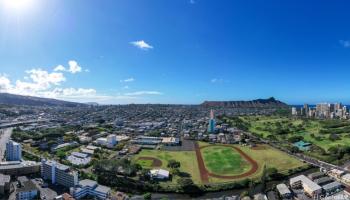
(211, 125)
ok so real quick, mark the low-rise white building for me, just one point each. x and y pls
(77, 158)
(160, 174)
(310, 187)
(91, 188)
(284, 191)
(111, 140)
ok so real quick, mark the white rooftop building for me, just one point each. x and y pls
(310, 187)
(77, 158)
(283, 190)
(91, 188)
(111, 140)
(159, 174)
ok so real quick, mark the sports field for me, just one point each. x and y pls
(186, 158)
(220, 163)
(224, 160)
(261, 155)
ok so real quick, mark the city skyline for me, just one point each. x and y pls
(181, 52)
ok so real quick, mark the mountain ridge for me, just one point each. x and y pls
(14, 99)
(257, 103)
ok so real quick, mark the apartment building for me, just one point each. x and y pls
(58, 173)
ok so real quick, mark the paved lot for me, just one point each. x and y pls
(187, 145)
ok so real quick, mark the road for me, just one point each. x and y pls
(13, 124)
(5, 135)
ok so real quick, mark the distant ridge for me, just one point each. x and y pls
(258, 103)
(13, 99)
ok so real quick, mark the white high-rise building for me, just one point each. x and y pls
(13, 151)
(294, 111)
(59, 173)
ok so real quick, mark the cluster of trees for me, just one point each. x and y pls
(50, 134)
(122, 167)
(295, 138)
(334, 127)
(238, 122)
(339, 152)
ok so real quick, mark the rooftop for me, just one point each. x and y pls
(332, 185)
(283, 189)
(312, 185)
(21, 164)
(27, 186)
(4, 179)
(102, 189)
(88, 183)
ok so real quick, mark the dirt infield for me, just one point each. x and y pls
(205, 173)
(156, 162)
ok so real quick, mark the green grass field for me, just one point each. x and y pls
(145, 163)
(187, 159)
(224, 160)
(272, 157)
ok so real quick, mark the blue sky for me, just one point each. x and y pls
(176, 51)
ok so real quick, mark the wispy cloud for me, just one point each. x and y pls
(140, 93)
(141, 44)
(127, 80)
(345, 43)
(59, 68)
(219, 80)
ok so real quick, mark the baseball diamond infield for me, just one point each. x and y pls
(205, 173)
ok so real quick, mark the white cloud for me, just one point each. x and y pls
(140, 93)
(47, 84)
(127, 80)
(219, 80)
(5, 83)
(74, 67)
(126, 87)
(345, 43)
(59, 68)
(141, 44)
(45, 78)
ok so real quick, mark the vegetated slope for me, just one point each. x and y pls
(13, 99)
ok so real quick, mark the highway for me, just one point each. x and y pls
(12, 124)
(5, 135)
